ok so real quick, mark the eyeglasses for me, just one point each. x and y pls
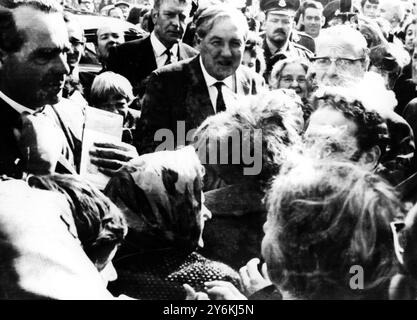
(339, 62)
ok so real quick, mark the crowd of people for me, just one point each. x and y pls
(267, 149)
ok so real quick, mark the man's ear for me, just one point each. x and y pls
(154, 15)
(370, 159)
(323, 21)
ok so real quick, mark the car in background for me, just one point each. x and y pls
(90, 24)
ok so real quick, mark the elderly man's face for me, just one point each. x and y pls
(222, 48)
(108, 37)
(35, 74)
(339, 62)
(170, 21)
(330, 135)
(278, 27)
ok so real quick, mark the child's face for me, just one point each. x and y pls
(116, 104)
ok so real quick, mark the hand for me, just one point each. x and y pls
(40, 142)
(192, 295)
(252, 280)
(223, 290)
(110, 157)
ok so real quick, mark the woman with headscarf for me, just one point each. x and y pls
(161, 196)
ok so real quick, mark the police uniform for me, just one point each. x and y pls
(292, 48)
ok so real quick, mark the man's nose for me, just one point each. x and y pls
(294, 83)
(226, 51)
(332, 69)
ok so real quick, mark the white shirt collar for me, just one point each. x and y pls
(211, 80)
(16, 106)
(158, 48)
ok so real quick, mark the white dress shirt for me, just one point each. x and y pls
(228, 89)
(159, 51)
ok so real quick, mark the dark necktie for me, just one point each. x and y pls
(169, 54)
(220, 105)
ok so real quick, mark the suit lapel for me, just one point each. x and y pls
(197, 101)
(148, 57)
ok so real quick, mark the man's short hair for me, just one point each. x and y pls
(109, 84)
(310, 4)
(46, 6)
(157, 3)
(370, 1)
(98, 221)
(12, 39)
(323, 218)
(372, 129)
(210, 15)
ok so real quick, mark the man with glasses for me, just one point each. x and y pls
(279, 25)
(342, 60)
(137, 59)
(341, 57)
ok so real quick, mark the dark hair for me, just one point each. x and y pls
(12, 39)
(253, 46)
(414, 21)
(370, 1)
(134, 15)
(372, 129)
(98, 221)
(324, 218)
(157, 3)
(46, 6)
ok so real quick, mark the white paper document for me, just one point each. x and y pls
(100, 126)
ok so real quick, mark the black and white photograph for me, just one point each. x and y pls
(226, 151)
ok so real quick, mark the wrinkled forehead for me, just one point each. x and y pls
(41, 28)
(345, 46)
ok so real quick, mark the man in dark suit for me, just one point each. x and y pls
(179, 97)
(33, 66)
(137, 59)
(32, 71)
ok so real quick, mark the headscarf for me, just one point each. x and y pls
(160, 194)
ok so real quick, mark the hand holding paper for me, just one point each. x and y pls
(111, 156)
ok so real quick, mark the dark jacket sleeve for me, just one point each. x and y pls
(156, 114)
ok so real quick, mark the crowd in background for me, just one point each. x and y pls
(268, 149)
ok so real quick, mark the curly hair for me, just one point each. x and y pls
(372, 129)
(267, 120)
(324, 218)
(98, 221)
